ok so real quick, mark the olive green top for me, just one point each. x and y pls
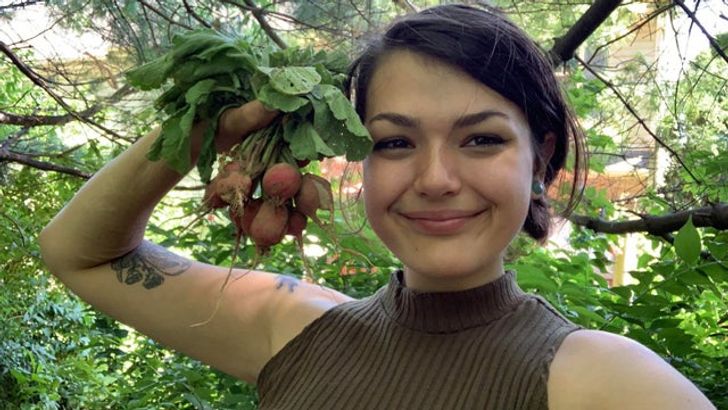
(484, 348)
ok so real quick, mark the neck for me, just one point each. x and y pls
(451, 280)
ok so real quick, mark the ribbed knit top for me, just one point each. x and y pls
(488, 347)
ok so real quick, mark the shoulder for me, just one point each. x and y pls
(594, 369)
(297, 305)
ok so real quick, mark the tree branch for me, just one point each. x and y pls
(13, 138)
(195, 15)
(39, 120)
(283, 16)
(715, 216)
(713, 42)
(164, 16)
(638, 118)
(407, 5)
(32, 76)
(259, 15)
(565, 46)
(634, 28)
(12, 6)
(7, 156)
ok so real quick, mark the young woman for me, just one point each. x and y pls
(470, 128)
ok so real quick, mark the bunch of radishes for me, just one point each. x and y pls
(287, 199)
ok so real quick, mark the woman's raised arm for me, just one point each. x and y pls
(95, 246)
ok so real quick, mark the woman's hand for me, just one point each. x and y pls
(237, 123)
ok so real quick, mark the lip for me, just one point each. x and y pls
(442, 222)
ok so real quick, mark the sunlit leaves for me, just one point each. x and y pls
(687, 243)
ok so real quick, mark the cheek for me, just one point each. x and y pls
(507, 182)
(371, 188)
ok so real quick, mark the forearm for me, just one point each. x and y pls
(107, 217)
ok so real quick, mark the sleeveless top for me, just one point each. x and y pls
(488, 347)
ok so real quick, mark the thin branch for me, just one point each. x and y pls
(284, 17)
(33, 76)
(18, 228)
(194, 15)
(19, 5)
(638, 118)
(40, 120)
(361, 14)
(715, 216)
(259, 15)
(407, 5)
(45, 154)
(6, 156)
(151, 27)
(632, 30)
(164, 16)
(13, 138)
(713, 42)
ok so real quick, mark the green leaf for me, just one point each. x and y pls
(151, 75)
(717, 272)
(331, 130)
(356, 137)
(175, 141)
(279, 101)
(208, 154)
(343, 110)
(294, 80)
(199, 91)
(687, 243)
(586, 314)
(304, 141)
(530, 277)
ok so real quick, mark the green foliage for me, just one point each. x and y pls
(687, 243)
(56, 352)
(677, 308)
(212, 72)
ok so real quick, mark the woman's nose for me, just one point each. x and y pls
(437, 174)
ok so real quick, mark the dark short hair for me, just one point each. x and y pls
(485, 44)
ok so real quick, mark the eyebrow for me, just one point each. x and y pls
(464, 121)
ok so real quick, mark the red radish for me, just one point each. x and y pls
(281, 181)
(233, 166)
(296, 224)
(235, 189)
(245, 219)
(315, 194)
(269, 226)
(211, 199)
(250, 209)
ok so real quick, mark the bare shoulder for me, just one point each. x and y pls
(600, 370)
(299, 303)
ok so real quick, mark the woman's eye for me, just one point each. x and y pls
(484, 140)
(392, 143)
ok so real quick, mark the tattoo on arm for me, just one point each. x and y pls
(286, 281)
(149, 263)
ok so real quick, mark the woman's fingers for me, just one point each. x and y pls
(236, 123)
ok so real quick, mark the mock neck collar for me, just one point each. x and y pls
(450, 312)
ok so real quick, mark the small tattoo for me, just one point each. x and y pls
(288, 281)
(149, 263)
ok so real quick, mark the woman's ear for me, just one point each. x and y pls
(546, 151)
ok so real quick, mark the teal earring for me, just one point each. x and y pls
(537, 188)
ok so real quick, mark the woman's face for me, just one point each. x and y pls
(448, 184)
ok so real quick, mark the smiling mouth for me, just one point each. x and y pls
(440, 222)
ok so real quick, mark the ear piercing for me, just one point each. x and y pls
(537, 187)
